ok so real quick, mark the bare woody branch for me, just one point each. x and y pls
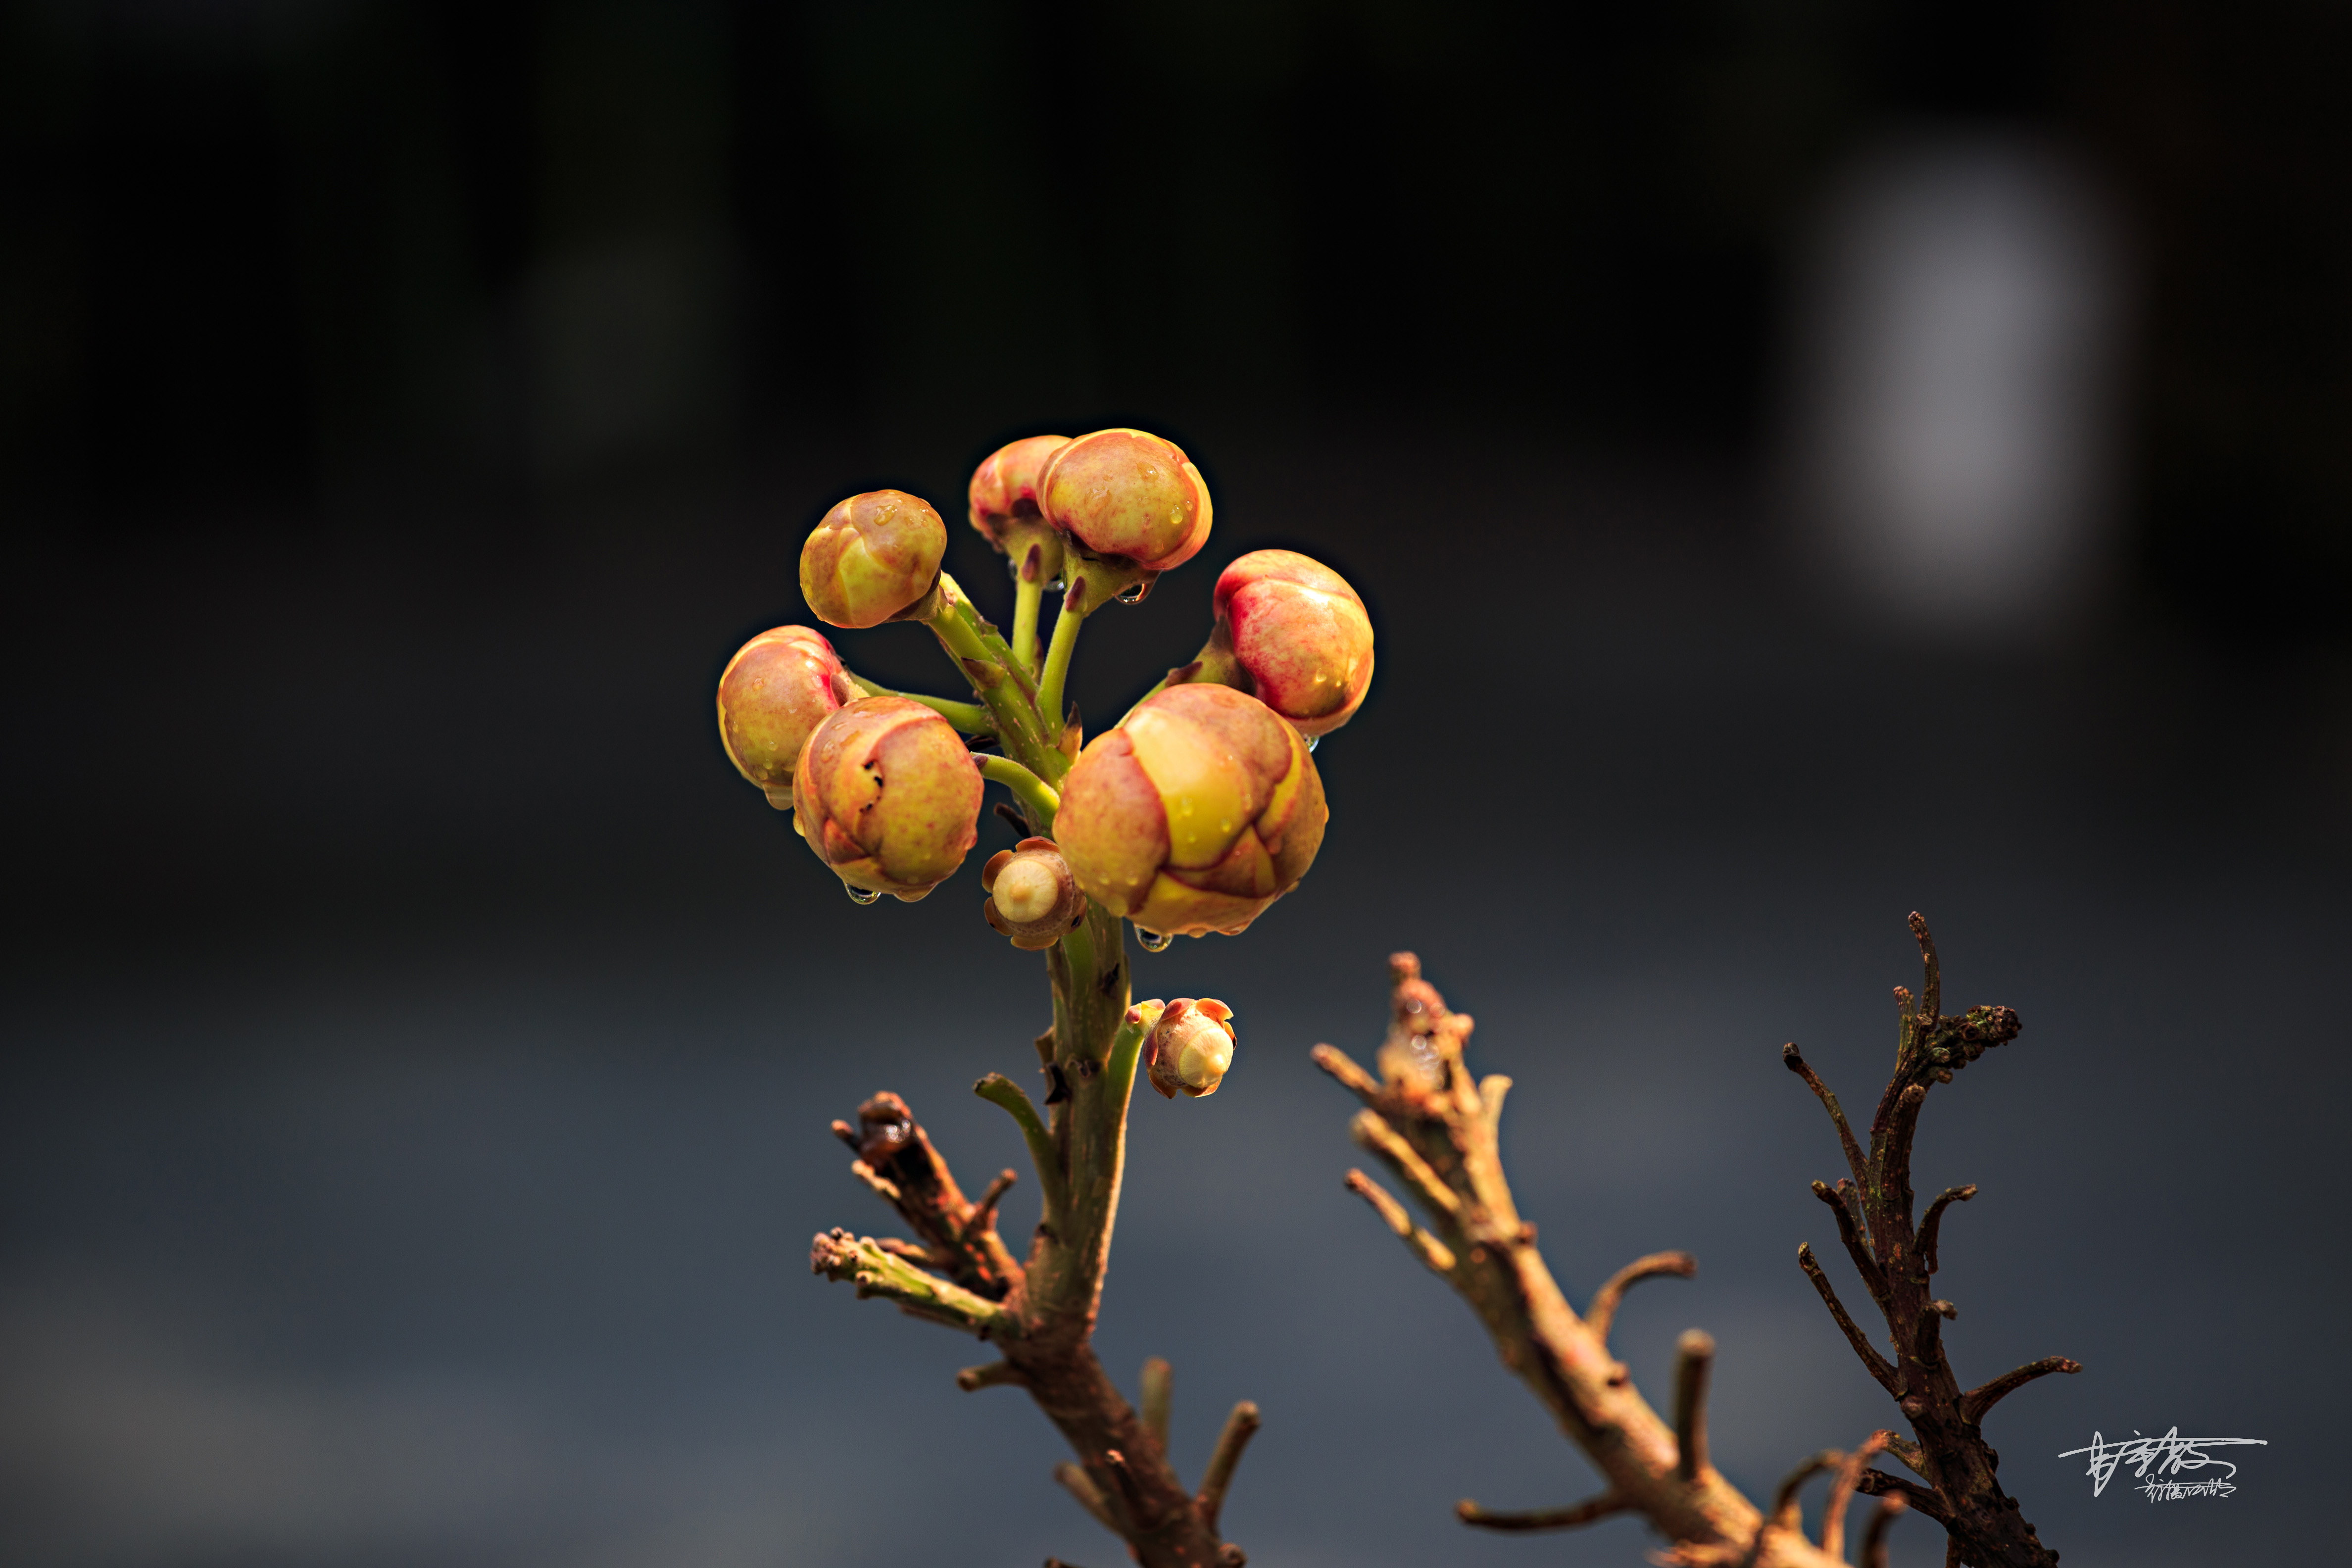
(1602, 1313)
(1984, 1397)
(1870, 1359)
(1218, 1478)
(1425, 1246)
(1874, 1540)
(1934, 1223)
(1584, 1512)
(1849, 1476)
(1424, 1104)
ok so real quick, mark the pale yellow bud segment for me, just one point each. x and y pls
(1201, 1065)
(1026, 890)
(1205, 789)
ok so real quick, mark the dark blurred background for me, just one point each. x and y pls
(1805, 461)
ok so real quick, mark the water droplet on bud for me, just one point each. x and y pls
(1313, 741)
(1153, 941)
(1131, 596)
(860, 896)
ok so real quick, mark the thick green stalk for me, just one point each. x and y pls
(1027, 595)
(998, 681)
(1050, 684)
(1035, 793)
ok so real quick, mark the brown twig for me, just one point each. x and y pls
(1426, 1103)
(1239, 1428)
(1574, 1514)
(1878, 1364)
(1602, 1313)
(1951, 1451)
(1694, 1355)
(1985, 1396)
(1157, 1390)
(1874, 1540)
(1934, 1223)
(1848, 1476)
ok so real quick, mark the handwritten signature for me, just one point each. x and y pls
(2166, 1455)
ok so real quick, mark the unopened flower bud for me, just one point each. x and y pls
(1200, 810)
(777, 689)
(1293, 635)
(1031, 897)
(1130, 494)
(1191, 1048)
(888, 795)
(874, 556)
(1004, 505)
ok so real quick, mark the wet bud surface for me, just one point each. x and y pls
(873, 556)
(1130, 494)
(1200, 810)
(1298, 633)
(886, 794)
(774, 693)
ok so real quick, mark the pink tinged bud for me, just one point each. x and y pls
(1130, 494)
(1191, 1048)
(874, 556)
(1031, 897)
(1298, 633)
(1005, 486)
(777, 689)
(888, 795)
(1200, 810)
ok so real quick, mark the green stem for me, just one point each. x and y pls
(840, 1256)
(1026, 597)
(1056, 673)
(968, 717)
(1035, 794)
(998, 1090)
(993, 679)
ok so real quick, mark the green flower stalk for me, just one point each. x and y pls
(1003, 501)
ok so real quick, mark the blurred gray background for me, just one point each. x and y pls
(1805, 465)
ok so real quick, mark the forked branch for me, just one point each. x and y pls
(1895, 1263)
(1436, 1129)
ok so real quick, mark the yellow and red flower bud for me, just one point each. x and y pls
(1003, 497)
(1031, 897)
(888, 795)
(1127, 493)
(1200, 810)
(874, 557)
(774, 693)
(1293, 635)
(1191, 1048)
